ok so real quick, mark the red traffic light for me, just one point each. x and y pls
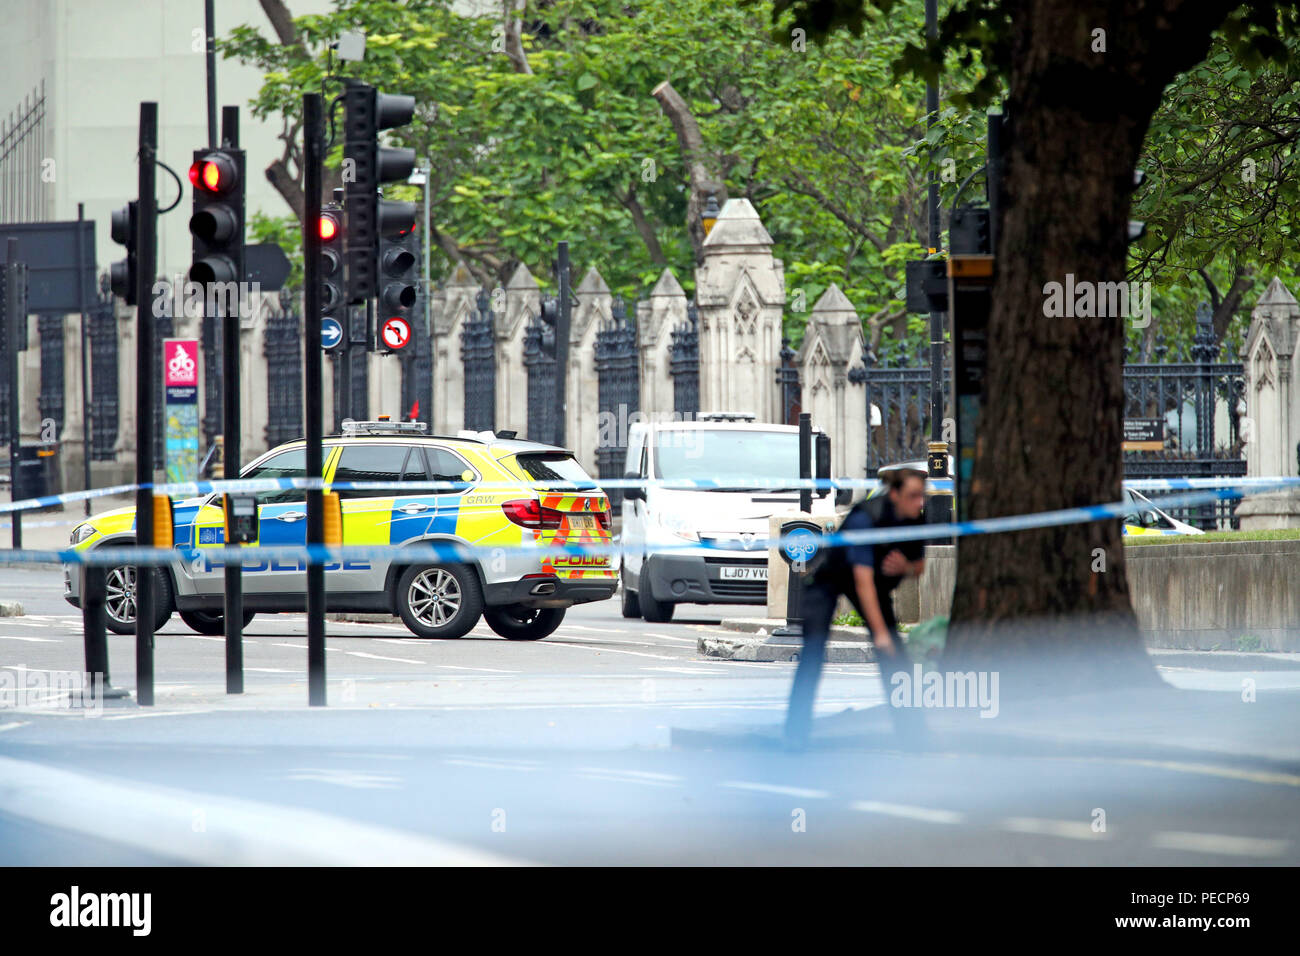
(214, 174)
(329, 227)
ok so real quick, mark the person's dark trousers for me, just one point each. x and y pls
(818, 609)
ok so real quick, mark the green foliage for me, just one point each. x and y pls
(819, 139)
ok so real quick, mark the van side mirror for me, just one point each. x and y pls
(635, 493)
(822, 444)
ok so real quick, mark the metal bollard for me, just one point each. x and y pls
(94, 631)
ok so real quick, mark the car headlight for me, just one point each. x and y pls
(82, 532)
(676, 524)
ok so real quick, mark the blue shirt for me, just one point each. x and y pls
(859, 554)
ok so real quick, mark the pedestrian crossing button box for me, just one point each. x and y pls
(241, 519)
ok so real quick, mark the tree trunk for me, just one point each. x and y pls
(1050, 423)
(704, 177)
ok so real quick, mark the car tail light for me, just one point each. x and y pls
(602, 516)
(530, 514)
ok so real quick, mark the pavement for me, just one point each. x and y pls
(613, 742)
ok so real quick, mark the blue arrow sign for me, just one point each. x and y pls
(331, 332)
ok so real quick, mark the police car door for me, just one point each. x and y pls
(374, 516)
(278, 524)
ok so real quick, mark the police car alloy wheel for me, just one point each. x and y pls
(439, 600)
(119, 599)
(517, 623)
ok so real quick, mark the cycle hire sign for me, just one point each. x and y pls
(181, 380)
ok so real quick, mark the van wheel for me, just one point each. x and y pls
(656, 612)
(439, 601)
(515, 622)
(210, 622)
(119, 598)
(631, 603)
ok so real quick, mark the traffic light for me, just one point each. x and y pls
(398, 268)
(331, 259)
(121, 274)
(367, 166)
(218, 221)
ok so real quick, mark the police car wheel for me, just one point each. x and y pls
(119, 599)
(439, 600)
(517, 623)
(631, 601)
(210, 622)
(656, 612)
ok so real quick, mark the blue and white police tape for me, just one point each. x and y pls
(455, 551)
(195, 489)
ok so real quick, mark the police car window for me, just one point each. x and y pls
(364, 461)
(288, 464)
(554, 466)
(444, 466)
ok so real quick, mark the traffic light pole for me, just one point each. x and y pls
(234, 599)
(146, 258)
(313, 137)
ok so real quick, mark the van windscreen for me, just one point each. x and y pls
(732, 457)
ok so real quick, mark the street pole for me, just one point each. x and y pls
(85, 363)
(146, 259)
(231, 452)
(313, 135)
(562, 322)
(209, 26)
(13, 275)
(938, 507)
(428, 292)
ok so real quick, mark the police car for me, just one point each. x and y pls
(522, 595)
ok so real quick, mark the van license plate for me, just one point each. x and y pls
(743, 574)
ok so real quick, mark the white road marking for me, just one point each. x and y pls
(31, 640)
(1217, 843)
(271, 670)
(377, 657)
(926, 814)
(487, 764)
(619, 777)
(235, 832)
(339, 777)
(647, 774)
(671, 637)
(13, 725)
(1069, 829)
(303, 647)
(801, 792)
(600, 649)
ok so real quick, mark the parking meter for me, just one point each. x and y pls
(241, 519)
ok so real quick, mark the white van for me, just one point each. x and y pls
(728, 448)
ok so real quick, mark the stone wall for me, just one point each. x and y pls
(1226, 595)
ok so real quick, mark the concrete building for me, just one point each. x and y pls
(96, 61)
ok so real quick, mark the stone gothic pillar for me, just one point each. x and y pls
(740, 292)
